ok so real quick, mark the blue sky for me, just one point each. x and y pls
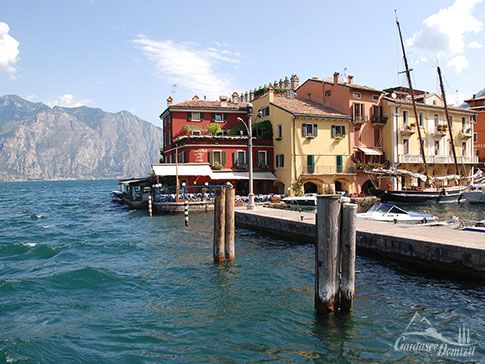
(126, 55)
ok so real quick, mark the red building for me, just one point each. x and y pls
(200, 131)
(477, 103)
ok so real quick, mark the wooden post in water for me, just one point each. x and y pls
(219, 224)
(229, 233)
(347, 249)
(326, 254)
(150, 206)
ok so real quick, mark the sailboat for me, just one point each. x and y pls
(428, 194)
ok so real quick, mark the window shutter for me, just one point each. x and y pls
(334, 131)
(282, 163)
(223, 159)
(213, 116)
(224, 117)
(353, 112)
(303, 130)
(343, 131)
(201, 116)
(256, 158)
(234, 158)
(189, 116)
(211, 157)
(315, 129)
(269, 158)
(247, 157)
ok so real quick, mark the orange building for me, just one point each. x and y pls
(362, 104)
(477, 103)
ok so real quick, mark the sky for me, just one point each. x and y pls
(132, 55)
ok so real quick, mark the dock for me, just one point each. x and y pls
(437, 249)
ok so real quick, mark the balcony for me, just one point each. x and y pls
(439, 159)
(358, 119)
(473, 160)
(378, 120)
(466, 133)
(408, 129)
(326, 169)
(439, 131)
(410, 158)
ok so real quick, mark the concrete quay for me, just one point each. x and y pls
(440, 250)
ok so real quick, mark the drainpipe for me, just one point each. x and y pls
(294, 147)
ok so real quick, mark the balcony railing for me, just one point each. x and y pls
(466, 133)
(359, 119)
(326, 169)
(408, 129)
(439, 131)
(410, 158)
(378, 120)
(473, 159)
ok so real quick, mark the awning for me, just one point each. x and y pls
(185, 169)
(261, 176)
(130, 181)
(370, 151)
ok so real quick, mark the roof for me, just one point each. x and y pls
(205, 104)
(329, 81)
(307, 108)
(436, 107)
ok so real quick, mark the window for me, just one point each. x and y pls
(463, 123)
(405, 146)
(436, 119)
(436, 147)
(463, 149)
(310, 163)
(181, 157)
(219, 117)
(450, 148)
(279, 131)
(358, 112)
(421, 120)
(405, 116)
(195, 132)
(170, 137)
(170, 158)
(340, 164)
(261, 158)
(434, 102)
(338, 131)
(239, 158)
(309, 130)
(280, 160)
(264, 111)
(217, 156)
(375, 97)
(356, 95)
(195, 116)
(328, 93)
(475, 137)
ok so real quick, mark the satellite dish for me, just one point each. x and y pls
(393, 95)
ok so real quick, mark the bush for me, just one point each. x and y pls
(213, 128)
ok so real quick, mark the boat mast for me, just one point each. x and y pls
(448, 121)
(421, 145)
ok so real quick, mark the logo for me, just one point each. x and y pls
(421, 337)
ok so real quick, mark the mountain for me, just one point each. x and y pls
(38, 142)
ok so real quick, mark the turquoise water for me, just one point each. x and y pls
(83, 280)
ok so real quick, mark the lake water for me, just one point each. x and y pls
(83, 280)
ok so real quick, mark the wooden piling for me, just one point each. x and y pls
(186, 212)
(150, 206)
(326, 254)
(229, 232)
(219, 224)
(347, 249)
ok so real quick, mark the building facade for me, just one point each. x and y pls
(311, 144)
(201, 131)
(477, 103)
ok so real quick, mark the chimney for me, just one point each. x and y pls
(286, 83)
(223, 100)
(351, 79)
(235, 98)
(169, 101)
(195, 98)
(335, 78)
(295, 81)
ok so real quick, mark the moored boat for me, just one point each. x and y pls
(392, 213)
(475, 194)
(443, 195)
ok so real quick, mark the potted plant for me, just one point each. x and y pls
(339, 138)
(217, 166)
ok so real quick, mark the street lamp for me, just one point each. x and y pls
(249, 129)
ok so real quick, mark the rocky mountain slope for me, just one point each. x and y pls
(39, 142)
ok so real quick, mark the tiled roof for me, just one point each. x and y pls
(204, 104)
(421, 105)
(305, 107)
(346, 84)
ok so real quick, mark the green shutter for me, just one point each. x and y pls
(247, 157)
(223, 159)
(234, 158)
(282, 164)
(201, 116)
(343, 131)
(340, 162)
(334, 131)
(269, 159)
(315, 129)
(256, 158)
(224, 117)
(189, 116)
(213, 116)
(211, 157)
(303, 130)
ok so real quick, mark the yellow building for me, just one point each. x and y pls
(401, 137)
(311, 144)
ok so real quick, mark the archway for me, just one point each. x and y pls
(366, 187)
(310, 187)
(338, 186)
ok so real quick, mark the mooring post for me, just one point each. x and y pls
(347, 249)
(186, 205)
(327, 260)
(219, 224)
(150, 206)
(229, 233)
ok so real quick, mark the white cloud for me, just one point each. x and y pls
(459, 62)
(444, 34)
(475, 45)
(9, 51)
(68, 100)
(200, 71)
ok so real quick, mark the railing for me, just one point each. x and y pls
(461, 159)
(439, 159)
(359, 119)
(439, 130)
(466, 133)
(407, 129)
(325, 169)
(409, 158)
(379, 120)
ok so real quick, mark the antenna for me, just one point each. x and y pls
(173, 89)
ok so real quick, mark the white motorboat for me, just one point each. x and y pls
(392, 213)
(476, 193)
(309, 199)
(479, 227)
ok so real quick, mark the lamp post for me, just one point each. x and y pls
(249, 129)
